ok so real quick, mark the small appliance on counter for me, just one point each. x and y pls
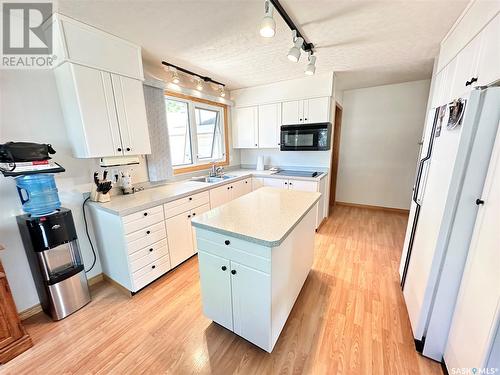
(100, 188)
(260, 163)
(53, 253)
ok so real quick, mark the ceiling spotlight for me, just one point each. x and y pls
(175, 76)
(267, 25)
(222, 91)
(294, 53)
(311, 66)
(199, 84)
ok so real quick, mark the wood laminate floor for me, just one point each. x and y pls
(350, 318)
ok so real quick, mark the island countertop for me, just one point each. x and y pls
(265, 216)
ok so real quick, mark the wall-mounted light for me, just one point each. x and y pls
(311, 66)
(294, 53)
(267, 25)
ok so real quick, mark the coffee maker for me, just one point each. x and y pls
(51, 245)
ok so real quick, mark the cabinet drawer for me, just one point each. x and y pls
(145, 237)
(227, 252)
(148, 255)
(185, 204)
(151, 272)
(142, 219)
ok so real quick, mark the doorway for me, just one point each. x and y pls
(334, 164)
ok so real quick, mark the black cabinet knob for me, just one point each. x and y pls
(153, 266)
(479, 201)
(145, 214)
(246, 182)
(189, 216)
(231, 187)
(119, 149)
(194, 213)
(233, 272)
(300, 119)
(128, 148)
(256, 145)
(472, 80)
(228, 188)
(150, 250)
(286, 183)
(227, 242)
(305, 119)
(190, 198)
(148, 232)
(223, 268)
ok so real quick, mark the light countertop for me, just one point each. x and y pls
(265, 216)
(127, 204)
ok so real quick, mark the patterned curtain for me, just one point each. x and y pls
(159, 161)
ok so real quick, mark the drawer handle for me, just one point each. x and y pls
(153, 266)
(148, 232)
(151, 249)
(233, 272)
(223, 268)
(145, 214)
(472, 80)
(227, 242)
(190, 198)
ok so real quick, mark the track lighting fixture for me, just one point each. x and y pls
(222, 91)
(267, 25)
(175, 76)
(311, 66)
(294, 53)
(199, 84)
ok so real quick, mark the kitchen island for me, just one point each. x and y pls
(255, 253)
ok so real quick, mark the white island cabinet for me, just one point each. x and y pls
(254, 256)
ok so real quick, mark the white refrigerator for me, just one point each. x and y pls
(450, 176)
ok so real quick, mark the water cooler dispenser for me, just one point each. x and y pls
(54, 256)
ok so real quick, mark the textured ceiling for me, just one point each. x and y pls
(366, 43)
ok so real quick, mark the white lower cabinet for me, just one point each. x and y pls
(216, 288)
(225, 193)
(180, 238)
(251, 292)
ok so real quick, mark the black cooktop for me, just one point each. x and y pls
(298, 173)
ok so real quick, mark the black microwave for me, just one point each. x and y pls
(306, 137)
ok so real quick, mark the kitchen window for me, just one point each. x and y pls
(197, 131)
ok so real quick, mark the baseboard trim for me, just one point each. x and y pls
(380, 208)
(124, 290)
(29, 312)
(33, 310)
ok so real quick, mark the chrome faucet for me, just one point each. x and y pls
(213, 171)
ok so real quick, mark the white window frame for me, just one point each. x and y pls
(192, 105)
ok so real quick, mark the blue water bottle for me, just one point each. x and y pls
(38, 193)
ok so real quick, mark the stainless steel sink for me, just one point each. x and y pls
(211, 180)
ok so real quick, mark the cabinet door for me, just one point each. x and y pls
(251, 295)
(303, 185)
(240, 188)
(196, 212)
(466, 68)
(489, 58)
(276, 182)
(220, 195)
(215, 282)
(179, 238)
(10, 329)
(318, 110)
(291, 112)
(131, 110)
(97, 113)
(257, 183)
(269, 125)
(245, 127)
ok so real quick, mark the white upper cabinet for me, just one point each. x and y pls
(104, 114)
(489, 57)
(245, 127)
(131, 110)
(269, 125)
(318, 110)
(466, 73)
(306, 111)
(83, 44)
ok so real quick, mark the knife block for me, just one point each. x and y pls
(97, 196)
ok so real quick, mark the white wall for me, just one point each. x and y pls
(381, 128)
(30, 111)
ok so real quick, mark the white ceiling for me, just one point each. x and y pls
(366, 43)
